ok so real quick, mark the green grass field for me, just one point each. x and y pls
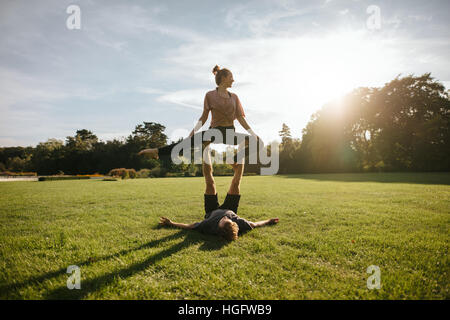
(332, 227)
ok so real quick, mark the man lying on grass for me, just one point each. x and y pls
(221, 220)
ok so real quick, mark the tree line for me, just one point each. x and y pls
(402, 126)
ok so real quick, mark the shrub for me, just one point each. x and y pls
(123, 173)
(116, 172)
(144, 173)
(192, 170)
(158, 172)
(132, 173)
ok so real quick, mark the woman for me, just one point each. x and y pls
(225, 107)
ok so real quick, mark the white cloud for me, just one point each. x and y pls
(288, 58)
(421, 18)
(147, 90)
(288, 78)
(187, 98)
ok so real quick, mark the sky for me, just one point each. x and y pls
(135, 61)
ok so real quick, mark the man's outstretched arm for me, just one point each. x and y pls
(167, 222)
(264, 222)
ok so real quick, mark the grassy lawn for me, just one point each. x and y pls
(332, 227)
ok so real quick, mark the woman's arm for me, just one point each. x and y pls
(167, 222)
(264, 222)
(200, 122)
(246, 126)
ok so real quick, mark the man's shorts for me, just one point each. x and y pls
(231, 203)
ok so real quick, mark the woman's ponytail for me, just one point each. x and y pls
(216, 69)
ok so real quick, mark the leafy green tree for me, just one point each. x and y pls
(147, 135)
(288, 148)
(285, 134)
(78, 158)
(411, 116)
(402, 126)
(48, 157)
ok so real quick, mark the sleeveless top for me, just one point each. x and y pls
(223, 110)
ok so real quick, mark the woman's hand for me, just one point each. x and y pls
(165, 222)
(273, 221)
(259, 140)
(253, 134)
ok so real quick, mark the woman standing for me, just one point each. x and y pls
(225, 107)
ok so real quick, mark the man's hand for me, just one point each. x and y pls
(165, 222)
(264, 222)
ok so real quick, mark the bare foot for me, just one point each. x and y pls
(152, 153)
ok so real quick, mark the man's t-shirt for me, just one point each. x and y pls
(211, 224)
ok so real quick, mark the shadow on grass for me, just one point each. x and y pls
(91, 285)
(441, 178)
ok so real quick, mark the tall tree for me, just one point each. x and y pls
(285, 134)
(147, 135)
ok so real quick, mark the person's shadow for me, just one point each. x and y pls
(94, 284)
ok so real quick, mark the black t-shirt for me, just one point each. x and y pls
(211, 224)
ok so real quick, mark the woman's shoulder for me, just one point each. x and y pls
(235, 97)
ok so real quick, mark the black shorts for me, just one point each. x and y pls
(211, 203)
(165, 152)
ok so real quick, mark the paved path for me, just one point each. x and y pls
(3, 179)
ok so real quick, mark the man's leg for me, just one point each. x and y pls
(233, 196)
(236, 182)
(211, 201)
(207, 171)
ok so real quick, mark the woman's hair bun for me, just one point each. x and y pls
(216, 69)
